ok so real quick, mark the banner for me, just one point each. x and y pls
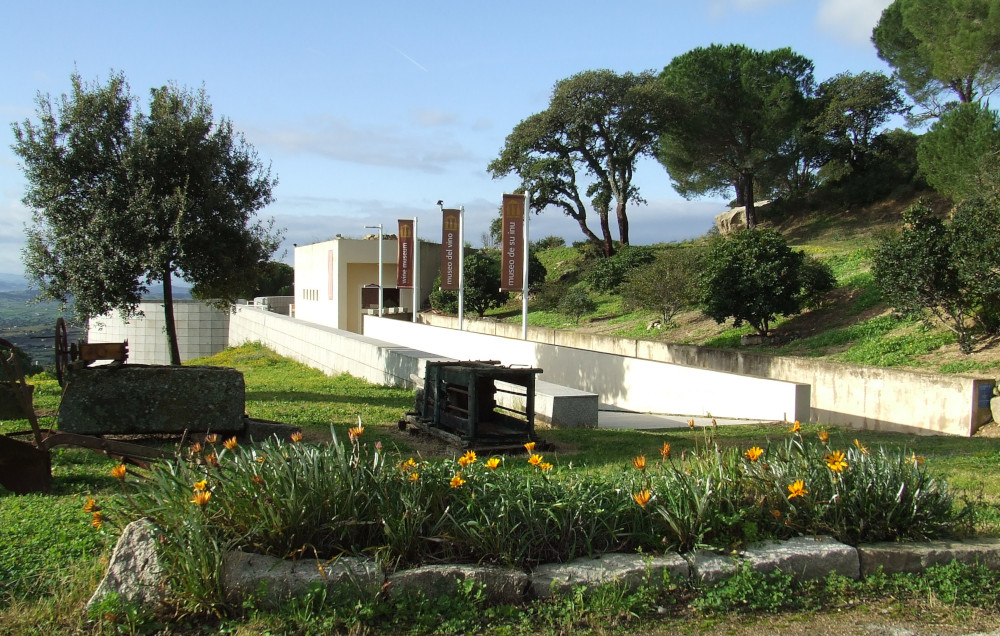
(404, 255)
(450, 221)
(512, 243)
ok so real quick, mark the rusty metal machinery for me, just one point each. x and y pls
(84, 352)
(459, 404)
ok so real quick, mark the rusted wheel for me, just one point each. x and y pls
(62, 350)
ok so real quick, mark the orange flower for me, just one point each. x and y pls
(776, 514)
(639, 462)
(97, 520)
(492, 463)
(861, 447)
(468, 458)
(91, 505)
(457, 481)
(296, 437)
(797, 489)
(796, 427)
(202, 497)
(691, 423)
(835, 461)
(257, 479)
(118, 472)
(665, 451)
(211, 459)
(545, 466)
(211, 438)
(753, 453)
(824, 437)
(414, 476)
(195, 448)
(355, 432)
(230, 443)
(535, 459)
(530, 447)
(642, 497)
(917, 460)
(201, 485)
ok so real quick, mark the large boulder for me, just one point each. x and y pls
(141, 399)
(735, 219)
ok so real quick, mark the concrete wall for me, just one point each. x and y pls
(626, 382)
(851, 395)
(329, 277)
(201, 331)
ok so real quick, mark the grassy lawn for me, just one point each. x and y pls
(51, 558)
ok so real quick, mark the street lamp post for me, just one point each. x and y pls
(379, 228)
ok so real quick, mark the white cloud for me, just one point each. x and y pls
(850, 20)
(427, 117)
(384, 146)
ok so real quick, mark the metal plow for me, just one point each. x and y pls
(25, 456)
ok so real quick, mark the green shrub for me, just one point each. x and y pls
(576, 302)
(667, 286)
(608, 274)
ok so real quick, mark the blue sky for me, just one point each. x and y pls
(370, 112)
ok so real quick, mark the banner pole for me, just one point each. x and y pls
(416, 270)
(524, 277)
(461, 266)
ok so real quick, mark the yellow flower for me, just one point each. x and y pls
(118, 472)
(639, 462)
(356, 432)
(535, 459)
(492, 463)
(753, 453)
(917, 460)
(201, 485)
(796, 427)
(457, 481)
(414, 476)
(530, 446)
(797, 489)
(665, 451)
(691, 423)
(642, 497)
(824, 437)
(296, 437)
(202, 497)
(468, 458)
(861, 447)
(91, 505)
(211, 438)
(230, 443)
(545, 466)
(97, 520)
(835, 461)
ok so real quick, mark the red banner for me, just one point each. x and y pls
(512, 243)
(404, 255)
(450, 222)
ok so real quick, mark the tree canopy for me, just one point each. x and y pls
(959, 151)
(941, 49)
(122, 199)
(586, 144)
(739, 109)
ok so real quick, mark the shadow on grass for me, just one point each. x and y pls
(327, 398)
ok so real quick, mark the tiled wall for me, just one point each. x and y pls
(201, 331)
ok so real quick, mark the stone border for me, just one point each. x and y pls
(135, 574)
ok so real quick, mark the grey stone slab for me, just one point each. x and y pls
(138, 399)
(273, 581)
(710, 568)
(805, 557)
(895, 558)
(629, 570)
(500, 585)
(134, 573)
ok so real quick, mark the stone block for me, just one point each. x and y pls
(805, 557)
(135, 573)
(896, 558)
(710, 568)
(628, 570)
(500, 585)
(139, 399)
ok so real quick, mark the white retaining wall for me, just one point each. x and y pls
(638, 385)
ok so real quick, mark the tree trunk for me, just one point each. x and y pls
(168, 318)
(622, 223)
(608, 243)
(751, 211)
